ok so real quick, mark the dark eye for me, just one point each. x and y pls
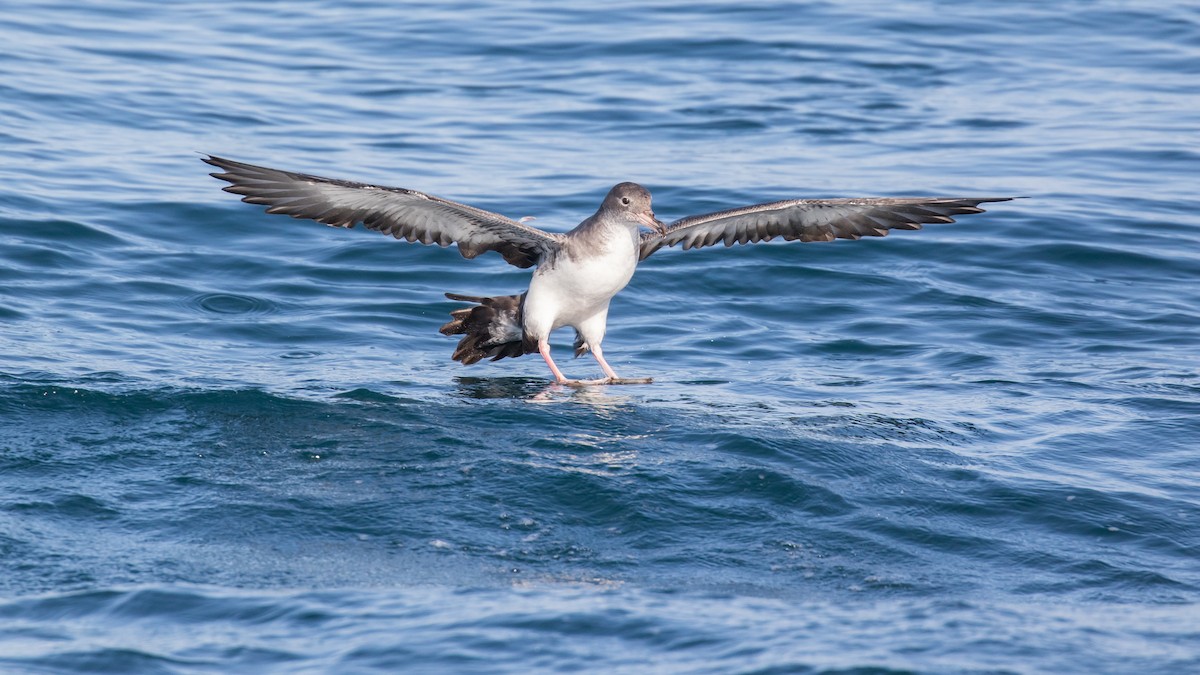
(625, 201)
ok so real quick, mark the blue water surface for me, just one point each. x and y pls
(235, 442)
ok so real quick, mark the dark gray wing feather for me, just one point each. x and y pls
(404, 214)
(811, 220)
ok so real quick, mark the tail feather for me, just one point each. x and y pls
(490, 329)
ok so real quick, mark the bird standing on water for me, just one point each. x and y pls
(578, 272)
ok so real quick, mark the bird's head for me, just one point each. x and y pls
(633, 201)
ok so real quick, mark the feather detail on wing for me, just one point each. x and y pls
(811, 220)
(404, 214)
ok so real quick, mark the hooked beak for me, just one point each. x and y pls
(653, 223)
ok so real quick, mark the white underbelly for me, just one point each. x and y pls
(572, 291)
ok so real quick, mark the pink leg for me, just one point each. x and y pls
(608, 371)
(544, 349)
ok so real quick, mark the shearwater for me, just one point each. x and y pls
(578, 272)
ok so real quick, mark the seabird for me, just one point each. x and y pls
(578, 272)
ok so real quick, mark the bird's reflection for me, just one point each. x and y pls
(537, 390)
(499, 387)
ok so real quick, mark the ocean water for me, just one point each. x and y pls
(235, 442)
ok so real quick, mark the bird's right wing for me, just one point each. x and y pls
(404, 214)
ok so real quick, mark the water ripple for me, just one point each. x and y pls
(229, 303)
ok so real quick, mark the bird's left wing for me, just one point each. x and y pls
(811, 220)
(405, 214)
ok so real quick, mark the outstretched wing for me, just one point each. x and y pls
(404, 214)
(811, 220)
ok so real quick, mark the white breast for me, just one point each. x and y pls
(575, 288)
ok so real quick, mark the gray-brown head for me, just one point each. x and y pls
(633, 201)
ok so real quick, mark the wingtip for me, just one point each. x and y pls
(226, 163)
(219, 162)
